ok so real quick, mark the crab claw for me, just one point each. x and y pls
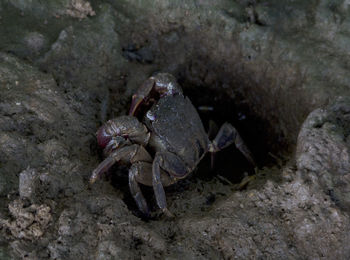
(135, 103)
(162, 84)
(141, 95)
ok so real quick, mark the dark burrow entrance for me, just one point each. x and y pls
(213, 105)
(215, 108)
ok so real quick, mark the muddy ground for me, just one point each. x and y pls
(278, 72)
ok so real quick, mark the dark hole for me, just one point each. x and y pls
(214, 105)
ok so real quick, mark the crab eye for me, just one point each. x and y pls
(103, 138)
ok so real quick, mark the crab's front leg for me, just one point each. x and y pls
(122, 139)
(229, 135)
(127, 154)
(139, 159)
(141, 172)
(175, 167)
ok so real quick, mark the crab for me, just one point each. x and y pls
(164, 147)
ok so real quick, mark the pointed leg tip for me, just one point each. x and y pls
(92, 180)
(145, 214)
(168, 213)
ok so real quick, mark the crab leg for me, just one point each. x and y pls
(127, 154)
(141, 172)
(176, 168)
(102, 168)
(136, 191)
(158, 187)
(229, 135)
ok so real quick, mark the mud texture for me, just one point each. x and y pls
(277, 71)
(323, 150)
